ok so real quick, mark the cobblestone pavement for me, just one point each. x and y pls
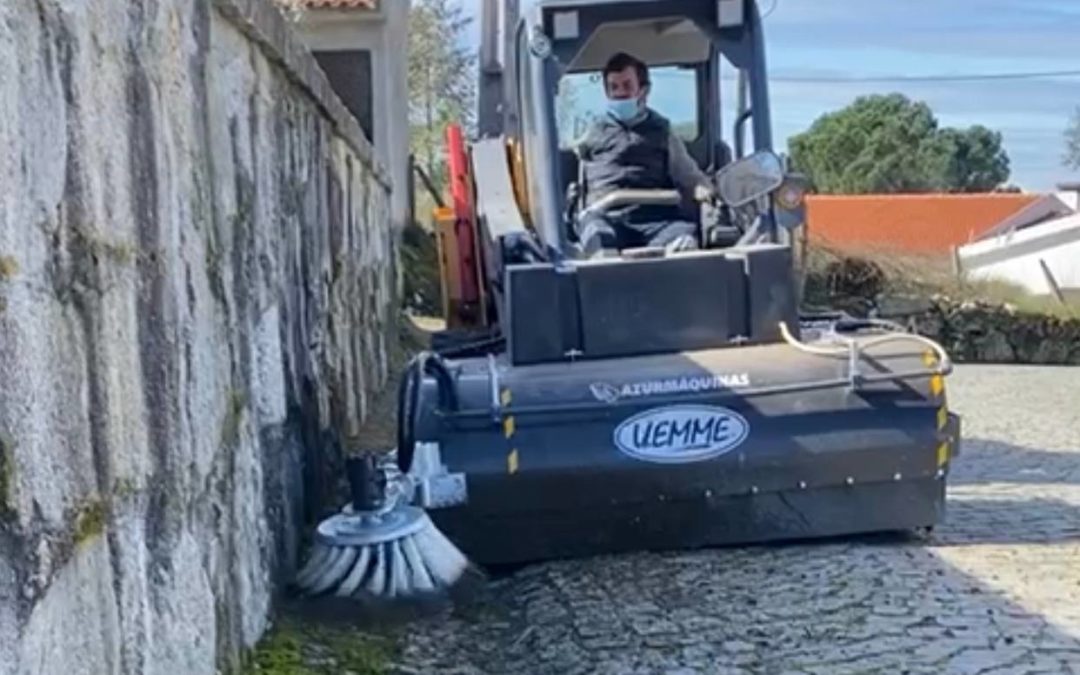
(996, 590)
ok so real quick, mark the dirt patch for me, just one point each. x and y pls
(379, 431)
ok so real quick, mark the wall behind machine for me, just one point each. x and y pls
(196, 283)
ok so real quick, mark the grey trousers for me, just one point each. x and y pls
(598, 232)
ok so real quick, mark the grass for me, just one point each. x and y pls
(295, 647)
(420, 269)
(925, 275)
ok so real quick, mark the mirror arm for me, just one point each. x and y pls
(740, 122)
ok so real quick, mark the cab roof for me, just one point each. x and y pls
(585, 33)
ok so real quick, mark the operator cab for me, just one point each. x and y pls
(676, 92)
(707, 72)
(679, 91)
(540, 85)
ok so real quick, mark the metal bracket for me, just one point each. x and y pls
(493, 379)
(443, 491)
(433, 487)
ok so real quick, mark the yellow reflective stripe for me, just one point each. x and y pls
(508, 426)
(937, 385)
(942, 454)
(942, 417)
(512, 462)
(504, 398)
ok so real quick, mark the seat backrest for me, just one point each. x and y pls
(568, 168)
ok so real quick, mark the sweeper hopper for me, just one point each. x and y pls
(650, 399)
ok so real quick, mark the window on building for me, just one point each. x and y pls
(349, 72)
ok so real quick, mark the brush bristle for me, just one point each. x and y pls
(422, 563)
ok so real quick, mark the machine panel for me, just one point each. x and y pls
(684, 302)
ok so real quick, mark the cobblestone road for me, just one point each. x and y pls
(997, 589)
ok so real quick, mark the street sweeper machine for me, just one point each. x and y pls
(646, 399)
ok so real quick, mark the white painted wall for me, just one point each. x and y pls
(385, 33)
(1070, 199)
(1015, 256)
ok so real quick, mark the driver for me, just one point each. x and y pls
(632, 147)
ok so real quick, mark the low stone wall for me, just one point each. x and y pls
(976, 331)
(983, 332)
(196, 282)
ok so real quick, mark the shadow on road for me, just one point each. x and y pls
(986, 461)
(829, 607)
(1008, 520)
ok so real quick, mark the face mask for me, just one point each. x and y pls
(623, 109)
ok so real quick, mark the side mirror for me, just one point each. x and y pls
(749, 178)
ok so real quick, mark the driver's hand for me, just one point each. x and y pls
(704, 193)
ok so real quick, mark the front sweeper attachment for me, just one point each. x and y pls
(379, 545)
(620, 422)
(843, 434)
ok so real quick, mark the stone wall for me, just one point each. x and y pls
(196, 277)
(973, 331)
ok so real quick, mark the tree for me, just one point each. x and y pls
(890, 144)
(1072, 142)
(442, 80)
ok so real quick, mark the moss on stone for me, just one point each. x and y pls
(116, 250)
(234, 415)
(7, 474)
(316, 648)
(9, 267)
(124, 487)
(90, 521)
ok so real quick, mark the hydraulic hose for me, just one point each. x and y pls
(408, 403)
(845, 351)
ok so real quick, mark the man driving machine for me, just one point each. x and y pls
(632, 147)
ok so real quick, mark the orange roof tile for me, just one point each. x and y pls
(341, 4)
(916, 223)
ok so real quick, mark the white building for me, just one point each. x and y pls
(1031, 255)
(362, 45)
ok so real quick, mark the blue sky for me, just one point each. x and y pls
(873, 38)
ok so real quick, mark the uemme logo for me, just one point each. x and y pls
(681, 433)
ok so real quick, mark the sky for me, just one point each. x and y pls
(874, 38)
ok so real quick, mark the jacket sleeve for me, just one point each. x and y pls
(684, 170)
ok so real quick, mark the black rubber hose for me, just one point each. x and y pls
(409, 391)
(408, 400)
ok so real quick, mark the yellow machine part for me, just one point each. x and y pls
(519, 175)
(448, 241)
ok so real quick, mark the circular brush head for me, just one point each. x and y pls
(393, 554)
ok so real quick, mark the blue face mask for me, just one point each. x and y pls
(623, 109)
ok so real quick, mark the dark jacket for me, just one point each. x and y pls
(642, 154)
